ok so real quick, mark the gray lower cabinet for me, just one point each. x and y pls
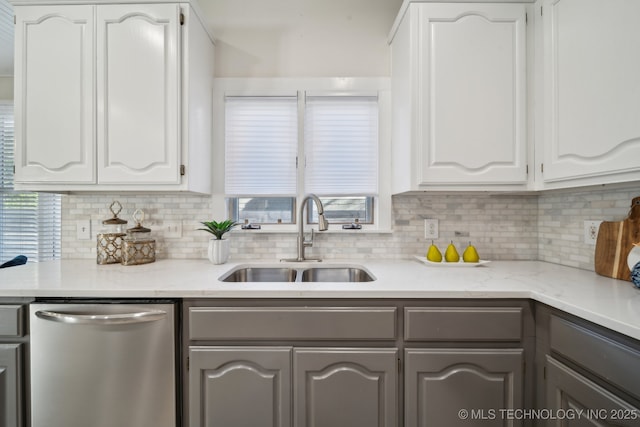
(10, 385)
(13, 342)
(240, 386)
(263, 386)
(588, 375)
(345, 387)
(575, 401)
(462, 387)
(465, 363)
(334, 363)
(282, 364)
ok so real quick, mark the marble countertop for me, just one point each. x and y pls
(614, 304)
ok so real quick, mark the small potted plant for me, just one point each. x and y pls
(218, 246)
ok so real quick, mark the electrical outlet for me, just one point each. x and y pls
(591, 231)
(83, 229)
(430, 228)
(171, 229)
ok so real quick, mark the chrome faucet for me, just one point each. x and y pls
(323, 225)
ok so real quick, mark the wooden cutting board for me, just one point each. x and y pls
(615, 241)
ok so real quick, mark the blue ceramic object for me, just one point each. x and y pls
(635, 275)
(19, 260)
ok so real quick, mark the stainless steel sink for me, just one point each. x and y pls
(327, 273)
(260, 274)
(336, 274)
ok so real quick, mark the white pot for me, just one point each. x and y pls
(218, 252)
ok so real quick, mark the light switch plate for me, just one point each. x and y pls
(83, 229)
(171, 229)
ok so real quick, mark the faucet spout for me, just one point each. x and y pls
(323, 225)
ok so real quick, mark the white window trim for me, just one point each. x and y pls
(288, 86)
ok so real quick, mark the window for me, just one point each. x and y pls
(261, 145)
(341, 156)
(29, 222)
(333, 138)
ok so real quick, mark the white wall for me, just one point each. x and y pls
(6, 88)
(301, 38)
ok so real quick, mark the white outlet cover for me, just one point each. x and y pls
(431, 229)
(591, 231)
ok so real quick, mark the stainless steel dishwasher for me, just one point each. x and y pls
(103, 364)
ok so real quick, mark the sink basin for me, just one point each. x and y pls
(327, 273)
(336, 274)
(260, 274)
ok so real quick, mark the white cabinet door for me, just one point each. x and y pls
(592, 88)
(138, 83)
(54, 97)
(472, 107)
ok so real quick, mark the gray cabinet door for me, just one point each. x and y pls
(10, 386)
(340, 387)
(240, 386)
(585, 403)
(462, 387)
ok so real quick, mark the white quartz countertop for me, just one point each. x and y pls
(614, 304)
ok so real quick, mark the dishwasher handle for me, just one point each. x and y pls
(102, 319)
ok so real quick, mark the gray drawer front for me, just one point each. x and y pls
(603, 356)
(463, 324)
(11, 320)
(273, 323)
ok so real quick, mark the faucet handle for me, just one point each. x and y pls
(308, 243)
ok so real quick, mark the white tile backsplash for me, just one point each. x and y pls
(561, 217)
(548, 226)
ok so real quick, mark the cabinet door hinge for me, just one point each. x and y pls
(182, 19)
(183, 170)
(527, 168)
(542, 167)
(14, 19)
(544, 373)
(188, 363)
(540, 10)
(14, 169)
(526, 18)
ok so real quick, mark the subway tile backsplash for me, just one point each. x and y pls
(561, 217)
(548, 227)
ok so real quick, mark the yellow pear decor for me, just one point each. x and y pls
(433, 253)
(470, 254)
(451, 254)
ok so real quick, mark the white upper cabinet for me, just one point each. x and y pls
(54, 97)
(591, 92)
(138, 75)
(459, 97)
(113, 97)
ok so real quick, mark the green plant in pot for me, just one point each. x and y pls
(218, 251)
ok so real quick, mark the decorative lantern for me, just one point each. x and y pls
(138, 247)
(109, 242)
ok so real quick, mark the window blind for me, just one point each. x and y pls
(341, 145)
(261, 136)
(30, 223)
